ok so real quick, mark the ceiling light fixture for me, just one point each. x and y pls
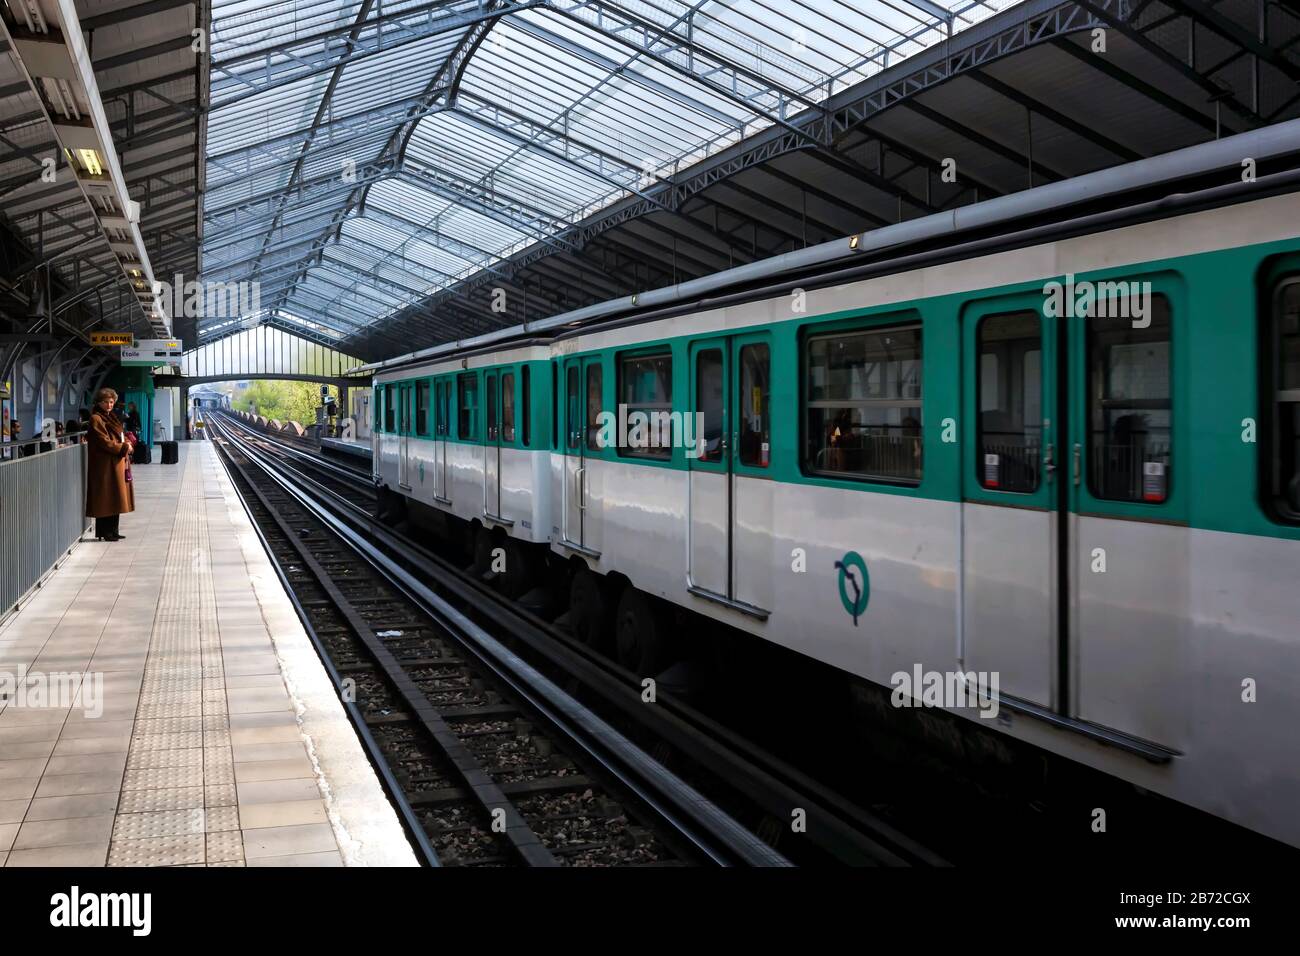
(90, 161)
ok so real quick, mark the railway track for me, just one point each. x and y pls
(757, 788)
(484, 770)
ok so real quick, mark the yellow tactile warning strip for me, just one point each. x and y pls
(179, 742)
(181, 738)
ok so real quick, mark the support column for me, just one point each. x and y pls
(185, 412)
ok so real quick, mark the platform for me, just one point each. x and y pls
(169, 709)
(352, 450)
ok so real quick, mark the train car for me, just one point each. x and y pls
(471, 438)
(1054, 474)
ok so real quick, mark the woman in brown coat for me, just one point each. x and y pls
(108, 493)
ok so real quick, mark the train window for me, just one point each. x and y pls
(594, 401)
(708, 402)
(390, 408)
(755, 420)
(1284, 382)
(422, 408)
(646, 386)
(508, 406)
(526, 404)
(467, 393)
(1130, 407)
(1009, 382)
(863, 404)
(573, 389)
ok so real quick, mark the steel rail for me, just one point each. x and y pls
(695, 818)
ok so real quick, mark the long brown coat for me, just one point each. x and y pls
(108, 492)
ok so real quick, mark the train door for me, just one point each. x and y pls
(405, 398)
(1014, 498)
(492, 447)
(583, 390)
(729, 397)
(441, 427)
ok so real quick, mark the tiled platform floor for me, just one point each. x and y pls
(203, 730)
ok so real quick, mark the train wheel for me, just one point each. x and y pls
(518, 577)
(589, 609)
(390, 507)
(482, 548)
(643, 634)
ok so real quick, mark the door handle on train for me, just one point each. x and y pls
(580, 483)
(1077, 457)
(1049, 461)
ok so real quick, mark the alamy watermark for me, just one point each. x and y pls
(1108, 299)
(952, 690)
(97, 910)
(652, 430)
(211, 300)
(57, 690)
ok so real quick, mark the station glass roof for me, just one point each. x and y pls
(361, 156)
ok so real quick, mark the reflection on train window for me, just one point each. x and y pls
(526, 405)
(1009, 382)
(755, 418)
(1285, 384)
(1130, 408)
(422, 408)
(390, 408)
(645, 385)
(863, 404)
(467, 406)
(708, 403)
(594, 401)
(574, 390)
(508, 406)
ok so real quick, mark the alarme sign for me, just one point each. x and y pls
(113, 338)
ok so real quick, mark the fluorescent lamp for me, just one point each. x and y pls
(90, 160)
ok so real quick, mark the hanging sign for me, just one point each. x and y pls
(113, 338)
(153, 352)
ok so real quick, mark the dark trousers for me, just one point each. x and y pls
(106, 527)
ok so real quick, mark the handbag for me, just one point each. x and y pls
(129, 436)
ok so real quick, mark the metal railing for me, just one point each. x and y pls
(42, 513)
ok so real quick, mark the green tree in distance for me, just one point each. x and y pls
(285, 401)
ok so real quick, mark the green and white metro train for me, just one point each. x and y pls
(1051, 441)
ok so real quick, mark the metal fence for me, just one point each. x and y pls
(42, 509)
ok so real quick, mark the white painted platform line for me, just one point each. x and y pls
(200, 733)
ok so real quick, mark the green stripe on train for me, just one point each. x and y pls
(1214, 481)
